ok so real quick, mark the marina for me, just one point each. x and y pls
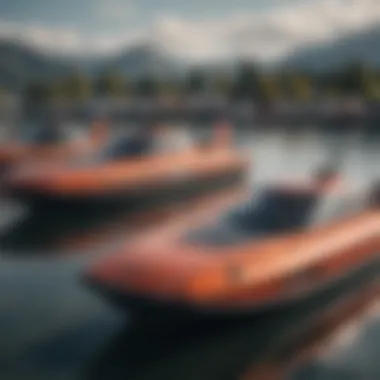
(56, 328)
(189, 190)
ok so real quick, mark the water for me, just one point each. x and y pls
(353, 354)
(280, 154)
(53, 328)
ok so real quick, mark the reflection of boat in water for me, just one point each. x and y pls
(286, 244)
(141, 180)
(95, 228)
(236, 348)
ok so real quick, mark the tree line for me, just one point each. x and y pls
(246, 82)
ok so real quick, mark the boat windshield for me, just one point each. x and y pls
(273, 211)
(41, 135)
(126, 146)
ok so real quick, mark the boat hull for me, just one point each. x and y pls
(150, 309)
(139, 198)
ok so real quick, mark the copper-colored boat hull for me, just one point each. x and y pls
(136, 180)
(15, 153)
(243, 278)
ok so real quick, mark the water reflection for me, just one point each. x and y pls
(353, 353)
(53, 328)
(75, 228)
(51, 228)
(280, 154)
(213, 349)
(44, 309)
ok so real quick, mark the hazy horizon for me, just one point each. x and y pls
(199, 31)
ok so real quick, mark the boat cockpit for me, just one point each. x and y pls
(275, 211)
(42, 135)
(125, 147)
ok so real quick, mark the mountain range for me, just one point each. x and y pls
(356, 47)
(20, 63)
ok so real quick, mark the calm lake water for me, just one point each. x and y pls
(55, 329)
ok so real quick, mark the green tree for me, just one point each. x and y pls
(330, 92)
(147, 86)
(246, 83)
(268, 88)
(111, 84)
(77, 86)
(352, 79)
(36, 97)
(37, 92)
(371, 88)
(301, 87)
(58, 90)
(195, 82)
(222, 84)
(3, 94)
(170, 88)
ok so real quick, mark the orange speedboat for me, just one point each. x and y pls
(141, 180)
(285, 244)
(46, 143)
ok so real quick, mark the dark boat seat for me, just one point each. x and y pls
(43, 135)
(273, 212)
(127, 146)
(276, 212)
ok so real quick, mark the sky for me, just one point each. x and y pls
(197, 30)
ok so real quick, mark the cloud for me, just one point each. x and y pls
(115, 10)
(64, 41)
(48, 39)
(266, 35)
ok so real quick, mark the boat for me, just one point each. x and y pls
(138, 180)
(47, 143)
(279, 246)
